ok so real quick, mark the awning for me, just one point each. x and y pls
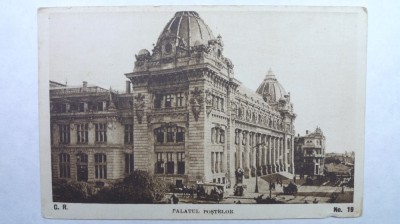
(277, 176)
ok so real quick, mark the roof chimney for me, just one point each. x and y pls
(84, 86)
(306, 132)
(128, 87)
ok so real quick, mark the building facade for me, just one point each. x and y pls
(91, 133)
(310, 153)
(194, 121)
(187, 119)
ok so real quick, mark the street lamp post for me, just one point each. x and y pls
(257, 159)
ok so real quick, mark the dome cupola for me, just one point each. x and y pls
(271, 90)
(188, 28)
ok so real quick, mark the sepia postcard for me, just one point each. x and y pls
(202, 112)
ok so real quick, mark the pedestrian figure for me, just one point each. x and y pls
(175, 199)
(239, 202)
(305, 202)
(192, 191)
(294, 178)
(315, 201)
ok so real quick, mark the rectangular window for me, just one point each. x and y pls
(170, 135)
(159, 135)
(216, 137)
(158, 101)
(81, 107)
(73, 107)
(82, 133)
(180, 134)
(159, 163)
(170, 163)
(168, 100)
(222, 136)
(128, 137)
(128, 163)
(212, 162)
(100, 106)
(100, 166)
(179, 99)
(220, 162)
(64, 163)
(179, 183)
(101, 132)
(181, 163)
(212, 135)
(64, 108)
(64, 134)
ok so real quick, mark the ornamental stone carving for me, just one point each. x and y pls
(196, 101)
(139, 107)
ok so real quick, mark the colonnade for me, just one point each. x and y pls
(261, 154)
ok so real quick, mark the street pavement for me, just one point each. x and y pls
(305, 195)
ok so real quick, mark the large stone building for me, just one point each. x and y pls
(310, 153)
(192, 120)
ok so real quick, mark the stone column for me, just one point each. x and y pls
(285, 156)
(291, 153)
(272, 147)
(282, 154)
(216, 160)
(264, 155)
(239, 155)
(269, 155)
(212, 162)
(276, 141)
(246, 161)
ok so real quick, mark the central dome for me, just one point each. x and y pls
(189, 27)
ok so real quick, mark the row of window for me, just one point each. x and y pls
(252, 141)
(169, 135)
(79, 107)
(317, 142)
(217, 135)
(168, 166)
(217, 103)
(100, 165)
(259, 118)
(169, 100)
(82, 132)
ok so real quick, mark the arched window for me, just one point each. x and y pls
(64, 165)
(100, 165)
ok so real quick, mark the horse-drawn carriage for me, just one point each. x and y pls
(290, 189)
(210, 191)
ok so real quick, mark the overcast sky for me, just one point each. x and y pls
(315, 56)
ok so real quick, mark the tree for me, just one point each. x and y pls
(138, 188)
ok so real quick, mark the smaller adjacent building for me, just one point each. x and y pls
(310, 153)
(91, 133)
